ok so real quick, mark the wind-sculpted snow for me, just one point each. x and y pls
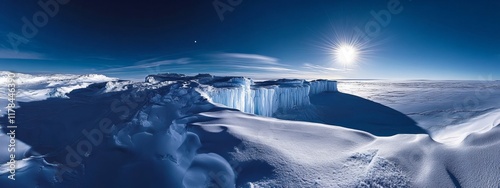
(167, 132)
(300, 154)
(145, 146)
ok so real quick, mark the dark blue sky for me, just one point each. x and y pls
(264, 39)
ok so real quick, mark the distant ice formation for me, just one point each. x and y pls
(42, 86)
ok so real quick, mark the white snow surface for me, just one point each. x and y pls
(434, 105)
(42, 86)
(178, 137)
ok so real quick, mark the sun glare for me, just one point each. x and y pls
(346, 54)
(347, 50)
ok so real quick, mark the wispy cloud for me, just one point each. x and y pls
(320, 68)
(224, 64)
(12, 54)
(249, 57)
(149, 63)
(248, 63)
(269, 68)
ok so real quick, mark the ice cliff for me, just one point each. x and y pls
(260, 98)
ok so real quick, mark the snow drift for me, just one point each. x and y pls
(166, 132)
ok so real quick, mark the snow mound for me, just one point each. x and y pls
(456, 134)
(300, 154)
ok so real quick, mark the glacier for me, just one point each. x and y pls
(259, 98)
(263, 98)
(172, 135)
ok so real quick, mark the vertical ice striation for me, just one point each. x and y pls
(319, 86)
(291, 97)
(264, 101)
(266, 98)
(234, 93)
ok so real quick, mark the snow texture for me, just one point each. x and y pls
(168, 132)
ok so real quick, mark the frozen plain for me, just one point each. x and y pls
(388, 134)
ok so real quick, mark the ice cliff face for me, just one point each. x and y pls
(319, 86)
(260, 98)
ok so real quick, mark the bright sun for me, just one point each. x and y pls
(346, 50)
(346, 53)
